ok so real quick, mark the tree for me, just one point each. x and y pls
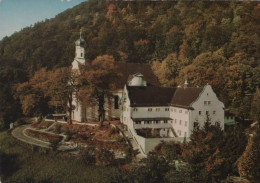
(248, 163)
(168, 70)
(234, 143)
(202, 154)
(31, 94)
(48, 91)
(152, 170)
(62, 88)
(96, 82)
(255, 108)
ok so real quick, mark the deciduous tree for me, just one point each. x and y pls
(96, 82)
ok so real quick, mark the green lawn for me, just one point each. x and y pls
(20, 164)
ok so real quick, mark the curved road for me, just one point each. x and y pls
(19, 134)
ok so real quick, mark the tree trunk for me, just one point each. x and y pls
(101, 111)
(101, 117)
(70, 108)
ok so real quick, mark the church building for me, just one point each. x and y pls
(150, 112)
(84, 113)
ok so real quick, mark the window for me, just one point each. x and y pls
(116, 102)
(166, 109)
(209, 102)
(205, 102)
(172, 110)
(150, 109)
(185, 123)
(180, 122)
(199, 112)
(156, 122)
(157, 109)
(185, 134)
(175, 121)
(171, 122)
(179, 132)
(165, 121)
(135, 109)
(175, 110)
(138, 122)
(180, 111)
(207, 112)
(214, 112)
(81, 54)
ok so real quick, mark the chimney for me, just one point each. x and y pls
(185, 83)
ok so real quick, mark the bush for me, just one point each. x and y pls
(64, 129)
(54, 143)
(2, 125)
(88, 155)
(57, 128)
(104, 157)
(19, 122)
(113, 131)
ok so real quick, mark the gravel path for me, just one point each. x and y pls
(19, 134)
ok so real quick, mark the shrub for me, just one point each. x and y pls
(88, 155)
(2, 125)
(54, 143)
(57, 128)
(19, 122)
(64, 129)
(104, 157)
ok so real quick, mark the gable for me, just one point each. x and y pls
(184, 97)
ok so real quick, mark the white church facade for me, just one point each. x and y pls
(112, 106)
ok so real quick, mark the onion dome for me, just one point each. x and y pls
(81, 42)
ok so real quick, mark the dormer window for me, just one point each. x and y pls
(150, 109)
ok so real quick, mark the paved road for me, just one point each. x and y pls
(19, 134)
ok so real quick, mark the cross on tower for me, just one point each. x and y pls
(80, 33)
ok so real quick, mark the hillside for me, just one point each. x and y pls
(206, 42)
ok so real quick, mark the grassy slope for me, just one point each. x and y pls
(20, 164)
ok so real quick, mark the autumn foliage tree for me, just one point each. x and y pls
(46, 92)
(248, 163)
(202, 154)
(96, 82)
(31, 94)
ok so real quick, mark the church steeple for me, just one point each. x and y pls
(80, 52)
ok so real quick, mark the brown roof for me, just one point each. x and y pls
(183, 97)
(150, 95)
(160, 96)
(126, 69)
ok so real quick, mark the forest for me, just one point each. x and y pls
(204, 42)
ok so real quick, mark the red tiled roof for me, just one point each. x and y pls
(160, 96)
(150, 95)
(183, 97)
(126, 69)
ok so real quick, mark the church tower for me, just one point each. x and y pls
(79, 53)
